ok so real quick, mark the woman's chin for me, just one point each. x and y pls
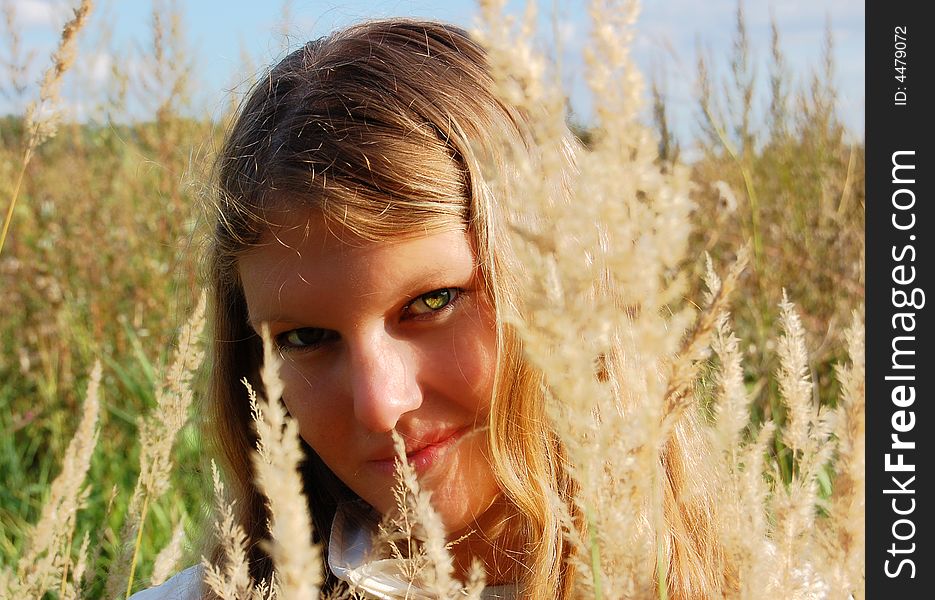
(459, 480)
(459, 506)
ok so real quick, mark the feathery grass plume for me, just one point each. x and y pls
(230, 580)
(168, 558)
(157, 434)
(732, 409)
(643, 237)
(794, 383)
(744, 524)
(296, 558)
(696, 346)
(669, 149)
(413, 537)
(397, 533)
(435, 574)
(743, 76)
(598, 300)
(844, 538)
(170, 66)
(798, 555)
(778, 84)
(48, 554)
(164, 80)
(41, 120)
(71, 586)
(547, 258)
(477, 580)
(807, 433)
(742, 489)
(9, 586)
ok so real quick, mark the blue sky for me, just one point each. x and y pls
(220, 34)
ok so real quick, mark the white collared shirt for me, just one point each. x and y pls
(349, 559)
(184, 586)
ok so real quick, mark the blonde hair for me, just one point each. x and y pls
(382, 127)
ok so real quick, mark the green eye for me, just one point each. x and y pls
(437, 300)
(433, 301)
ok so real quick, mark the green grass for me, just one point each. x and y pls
(104, 257)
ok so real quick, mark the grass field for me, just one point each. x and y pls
(102, 264)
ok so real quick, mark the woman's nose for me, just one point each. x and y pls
(383, 382)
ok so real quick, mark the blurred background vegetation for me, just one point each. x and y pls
(103, 262)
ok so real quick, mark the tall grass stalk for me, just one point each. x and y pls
(230, 579)
(844, 542)
(596, 558)
(738, 156)
(41, 121)
(296, 557)
(48, 555)
(416, 507)
(610, 291)
(157, 435)
(168, 558)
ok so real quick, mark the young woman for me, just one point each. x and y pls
(354, 219)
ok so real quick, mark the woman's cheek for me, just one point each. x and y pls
(475, 364)
(307, 403)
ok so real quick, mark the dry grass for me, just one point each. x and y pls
(157, 435)
(297, 560)
(41, 120)
(609, 287)
(789, 178)
(47, 560)
(228, 578)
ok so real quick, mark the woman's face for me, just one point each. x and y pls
(377, 336)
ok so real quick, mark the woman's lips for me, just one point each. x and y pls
(424, 456)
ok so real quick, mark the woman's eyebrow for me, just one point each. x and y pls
(410, 288)
(256, 323)
(447, 272)
(429, 278)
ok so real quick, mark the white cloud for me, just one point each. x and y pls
(31, 13)
(567, 32)
(99, 67)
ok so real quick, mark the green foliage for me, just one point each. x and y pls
(101, 263)
(103, 256)
(789, 181)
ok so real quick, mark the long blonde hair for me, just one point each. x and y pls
(381, 127)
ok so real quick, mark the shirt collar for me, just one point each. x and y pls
(352, 559)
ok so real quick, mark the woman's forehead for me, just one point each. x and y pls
(304, 259)
(308, 236)
(300, 220)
